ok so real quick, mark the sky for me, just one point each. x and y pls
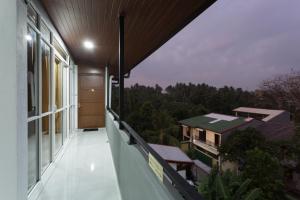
(235, 42)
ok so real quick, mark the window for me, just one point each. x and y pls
(32, 73)
(48, 90)
(202, 135)
(32, 15)
(45, 31)
(59, 49)
(45, 78)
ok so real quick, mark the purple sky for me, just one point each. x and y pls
(235, 42)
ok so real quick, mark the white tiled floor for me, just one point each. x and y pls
(85, 172)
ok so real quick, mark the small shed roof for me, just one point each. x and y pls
(171, 153)
(202, 166)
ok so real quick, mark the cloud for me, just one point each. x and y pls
(237, 43)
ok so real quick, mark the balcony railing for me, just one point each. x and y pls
(209, 143)
(171, 179)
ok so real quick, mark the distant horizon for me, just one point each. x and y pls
(228, 45)
(187, 83)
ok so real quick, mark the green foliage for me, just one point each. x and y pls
(227, 186)
(265, 173)
(239, 142)
(154, 113)
(258, 161)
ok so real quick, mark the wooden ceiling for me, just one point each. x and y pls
(148, 25)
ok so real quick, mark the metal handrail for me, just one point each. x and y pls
(187, 191)
(209, 143)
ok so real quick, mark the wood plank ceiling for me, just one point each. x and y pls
(148, 25)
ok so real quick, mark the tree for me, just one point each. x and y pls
(265, 173)
(141, 119)
(227, 187)
(239, 142)
(284, 90)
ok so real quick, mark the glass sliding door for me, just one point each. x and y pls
(33, 128)
(59, 104)
(46, 139)
(58, 131)
(65, 125)
(32, 73)
(48, 91)
(32, 98)
(45, 77)
(46, 142)
(58, 84)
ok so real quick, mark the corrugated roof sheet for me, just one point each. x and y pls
(218, 125)
(171, 153)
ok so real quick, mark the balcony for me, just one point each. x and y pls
(207, 145)
(41, 107)
(104, 165)
(85, 170)
(137, 180)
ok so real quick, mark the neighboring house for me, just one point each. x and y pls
(207, 132)
(276, 123)
(176, 158)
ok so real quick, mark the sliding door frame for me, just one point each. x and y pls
(66, 92)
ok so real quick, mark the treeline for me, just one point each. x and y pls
(154, 112)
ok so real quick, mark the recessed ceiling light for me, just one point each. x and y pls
(88, 44)
(28, 37)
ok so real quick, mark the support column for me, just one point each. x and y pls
(121, 70)
(121, 75)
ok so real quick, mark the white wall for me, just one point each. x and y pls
(13, 114)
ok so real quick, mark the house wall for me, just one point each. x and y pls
(227, 165)
(282, 118)
(199, 174)
(194, 132)
(210, 136)
(13, 89)
(184, 130)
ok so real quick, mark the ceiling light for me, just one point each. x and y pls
(28, 37)
(88, 44)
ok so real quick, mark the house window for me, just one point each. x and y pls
(217, 140)
(188, 131)
(202, 135)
